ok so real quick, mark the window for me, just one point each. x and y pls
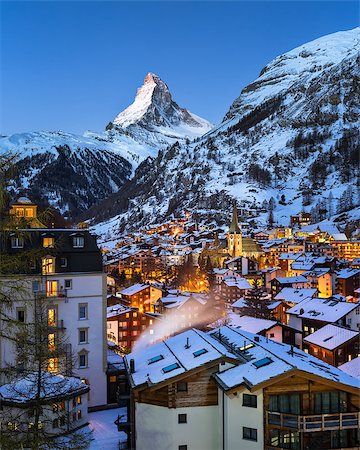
(83, 311)
(29, 212)
(155, 359)
(330, 402)
(285, 403)
(35, 286)
(83, 360)
(52, 317)
(52, 364)
(48, 266)
(181, 386)
(182, 447)
(17, 242)
(48, 242)
(51, 341)
(250, 434)
(78, 241)
(182, 418)
(262, 362)
(20, 314)
(200, 352)
(63, 262)
(151, 331)
(79, 400)
(68, 284)
(83, 336)
(52, 288)
(250, 400)
(170, 368)
(79, 414)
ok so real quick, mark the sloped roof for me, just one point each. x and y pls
(331, 336)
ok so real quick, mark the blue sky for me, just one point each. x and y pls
(74, 65)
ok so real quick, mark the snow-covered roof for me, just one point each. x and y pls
(134, 289)
(295, 295)
(324, 309)
(268, 359)
(115, 359)
(347, 273)
(291, 280)
(52, 386)
(239, 303)
(166, 359)
(352, 367)
(253, 324)
(331, 336)
(240, 283)
(115, 310)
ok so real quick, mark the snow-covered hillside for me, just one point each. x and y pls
(74, 172)
(292, 134)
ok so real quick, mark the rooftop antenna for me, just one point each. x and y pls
(187, 345)
(292, 351)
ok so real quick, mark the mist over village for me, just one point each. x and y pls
(172, 280)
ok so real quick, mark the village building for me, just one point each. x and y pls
(233, 389)
(141, 296)
(347, 281)
(333, 344)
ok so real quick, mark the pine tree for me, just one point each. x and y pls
(257, 303)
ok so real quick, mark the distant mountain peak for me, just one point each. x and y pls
(155, 111)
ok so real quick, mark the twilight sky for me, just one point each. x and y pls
(73, 66)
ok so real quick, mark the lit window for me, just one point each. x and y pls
(29, 212)
(17, 242)
(52, 317)
(48, 265)
(52, 364)
(48, 242)
(51, 341)
(52, 288)
(78, 241)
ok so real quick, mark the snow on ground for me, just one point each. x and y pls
(105, 433)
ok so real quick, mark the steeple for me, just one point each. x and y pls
(234, 236)
(234, 227)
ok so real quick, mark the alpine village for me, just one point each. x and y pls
(172, 297)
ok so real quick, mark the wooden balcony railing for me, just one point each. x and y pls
(314, 422)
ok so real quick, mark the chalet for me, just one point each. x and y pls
(290, 297)
(233, 288)
(242, 266)
(125, 325)
(347, 281)
(301, 219)
(321, 279)
(232, 389)
(268, 328)
(333, 344)
(183, 311)
(281, 282)
(141, 296)
(269, 274)
(221, 274)
(312, 314)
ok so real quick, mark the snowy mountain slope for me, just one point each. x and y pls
(292, 134)
(73, 173)
(156, 118)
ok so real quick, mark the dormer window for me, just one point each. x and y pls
(48, 242)
(48, 265)
(78, 241)
(17, 242)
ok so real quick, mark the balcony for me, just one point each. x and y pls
(314, 422)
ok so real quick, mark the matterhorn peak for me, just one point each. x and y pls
(155, 111)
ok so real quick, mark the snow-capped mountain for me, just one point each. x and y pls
(155, 118)
(74, 172)
(289, 141)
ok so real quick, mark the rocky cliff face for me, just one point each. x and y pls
(73, 173)
(291, 140)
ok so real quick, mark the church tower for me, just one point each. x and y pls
(234, 236)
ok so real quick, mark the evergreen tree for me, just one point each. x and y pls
(270, 220)
(257, 303)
